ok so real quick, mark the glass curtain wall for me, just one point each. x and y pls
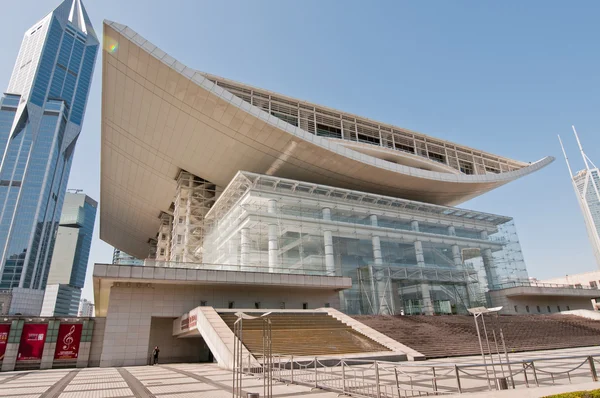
(407, 259)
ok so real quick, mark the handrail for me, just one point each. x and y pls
(507, 285)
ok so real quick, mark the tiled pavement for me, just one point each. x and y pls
(210, 381)
(164, 381)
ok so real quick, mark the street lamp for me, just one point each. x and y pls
(478, 312)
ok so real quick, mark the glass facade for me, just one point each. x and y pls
(70, 257)
(122, 258)
(78, 218)
(402, 256)
(40, 120)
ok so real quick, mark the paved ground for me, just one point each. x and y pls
(208, 380)
(168, 381)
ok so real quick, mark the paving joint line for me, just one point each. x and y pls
(15, 377)
(58, 387)
(223, 387)
(135, 385)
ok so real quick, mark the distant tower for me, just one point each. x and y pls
(70, 258)
(587, 188)
(41, 115)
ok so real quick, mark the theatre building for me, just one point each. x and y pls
(242, 199)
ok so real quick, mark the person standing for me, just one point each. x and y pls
(155, 355)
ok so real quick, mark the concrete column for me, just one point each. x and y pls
(377, 257)
(456, 256)
(373, 218)
(419, 253)
(245, 247)
(48, 355)
(484, 235)
(451, 230)
(328, 243)
(427, 303)
(84, 355)
(490, 269)
(384, 293)
(414, 225)
(273, 243)
(10, 356)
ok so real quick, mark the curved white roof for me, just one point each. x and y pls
(159, 116)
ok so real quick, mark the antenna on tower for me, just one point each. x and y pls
(566, 157)
(583, 155)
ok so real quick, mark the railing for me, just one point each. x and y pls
(382, 379)
(507, 285)
(279, 269)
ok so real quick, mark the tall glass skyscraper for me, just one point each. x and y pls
(71, 253)
(40, 120)
(587, 188)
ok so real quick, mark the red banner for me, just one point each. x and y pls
(67, 344)
(32, 341)
(4, 329)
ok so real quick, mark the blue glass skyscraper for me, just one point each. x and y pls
(40, 120)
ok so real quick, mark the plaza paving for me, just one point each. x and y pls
(208, 380)
(163, 381)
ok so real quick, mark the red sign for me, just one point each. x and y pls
(32, 341)
(67, 344)
(4, 329)
(189, 322)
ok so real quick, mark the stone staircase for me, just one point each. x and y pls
(305, 334)
(455, 335)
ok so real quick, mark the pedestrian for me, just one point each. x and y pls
(155, 355)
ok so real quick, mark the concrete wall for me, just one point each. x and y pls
(130, 311)
(508, 303)
(97, 342)
(173, 349)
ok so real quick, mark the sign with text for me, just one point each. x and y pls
(67, 344)
(32, 341)
(189, 321)
(4, 330)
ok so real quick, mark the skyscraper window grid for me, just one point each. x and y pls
(40, 120)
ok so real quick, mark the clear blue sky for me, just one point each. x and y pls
(504, 77)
